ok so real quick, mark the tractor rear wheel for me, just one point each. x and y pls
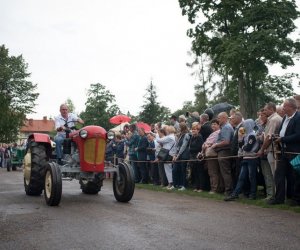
(35, 162)
(91, 187)
(124, 185)
(53, 184)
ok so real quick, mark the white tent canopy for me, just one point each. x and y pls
(120, 127)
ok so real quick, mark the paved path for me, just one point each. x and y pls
(152, 220)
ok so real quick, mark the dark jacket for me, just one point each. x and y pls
(205, 130)
(182, 147)
(234, 147)
(196, 143)
(151, 150)
(142, 148)
(291, 139)
(119, 149)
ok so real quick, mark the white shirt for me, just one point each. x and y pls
(60, 121)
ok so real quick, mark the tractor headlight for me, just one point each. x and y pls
(110, 135)
(83, 134)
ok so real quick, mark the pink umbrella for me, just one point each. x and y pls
(118, 119)
(144, 125)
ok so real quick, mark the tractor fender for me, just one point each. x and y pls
(39, 137)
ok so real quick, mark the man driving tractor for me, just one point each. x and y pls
(62, 122)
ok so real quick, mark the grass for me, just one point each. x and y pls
(260, 202)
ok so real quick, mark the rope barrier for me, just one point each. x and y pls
(211, 158)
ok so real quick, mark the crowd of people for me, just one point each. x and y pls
(224, 153)
(7, 152)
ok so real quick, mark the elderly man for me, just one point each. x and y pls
(62, 122)
(222, 146)
(289, 137)
(272, 128)
(237, 123)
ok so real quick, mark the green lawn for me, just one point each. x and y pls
(260, 202)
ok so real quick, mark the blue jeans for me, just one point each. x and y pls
(179, 174)
(248, 170)
(58, 148)
(136, 170)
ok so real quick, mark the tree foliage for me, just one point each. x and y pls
(100, 106)
(17, 94)
(70, 105)
(243, 38)
(152, 111)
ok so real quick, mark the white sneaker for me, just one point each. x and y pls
(181, 189)
(171, 188)
(212, 192)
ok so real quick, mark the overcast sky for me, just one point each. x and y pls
(122, 44)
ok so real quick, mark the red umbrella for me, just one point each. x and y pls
(144, 125)
(118, 119)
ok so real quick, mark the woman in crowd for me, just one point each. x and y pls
(141, 150)
(216, 181)
(182, 154)
(168, 142)
(197, 167)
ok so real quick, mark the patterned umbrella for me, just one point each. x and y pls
(118, 119)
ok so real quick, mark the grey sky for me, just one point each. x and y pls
(70, 44)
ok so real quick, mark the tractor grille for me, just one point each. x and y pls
(93, 153)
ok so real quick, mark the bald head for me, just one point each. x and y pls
(222, 118)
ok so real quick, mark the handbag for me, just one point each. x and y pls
(296, 163)
(163, 154)
(210, 152)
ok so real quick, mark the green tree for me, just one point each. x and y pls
(100, 106)
(152, 111)
(70, 105)
(243, 38)
(17, 94)
(202, 72)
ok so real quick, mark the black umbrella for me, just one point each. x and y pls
(221, 107)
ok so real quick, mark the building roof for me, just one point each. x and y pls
(38, 126)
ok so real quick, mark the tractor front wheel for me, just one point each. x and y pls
(123, 185)
(91, 187)
(53, 184)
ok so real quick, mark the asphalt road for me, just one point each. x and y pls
(151, 220)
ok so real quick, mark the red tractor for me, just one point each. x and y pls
(84, 160)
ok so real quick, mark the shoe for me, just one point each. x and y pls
(195, 190)
(269, 197)
(181, 189)
(199, 191)
(231, 198)
(212, 192)
(171, 188)
(59, 162)
(274, 202)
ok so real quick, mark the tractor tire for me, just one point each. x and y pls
(34, 169)
(53, 184)
(90, 187)
(124, 187)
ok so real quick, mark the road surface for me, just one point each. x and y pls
(152, 220)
